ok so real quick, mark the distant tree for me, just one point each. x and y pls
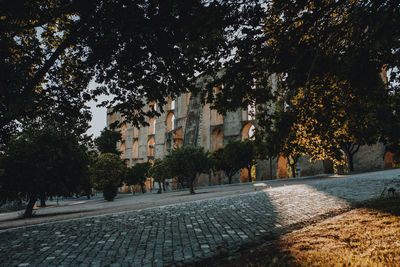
(43, 162)
(107, 141)
(137, 175)
(159, 171)
(248, 155)
(218, 163)
(107, 174)
(232, 157)
(187, 162)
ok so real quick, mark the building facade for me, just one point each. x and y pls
(187, 121)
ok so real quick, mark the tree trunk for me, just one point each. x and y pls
(192, 185)
(42, 200)
(159, 188)
(142, 187)
(292, 170)
(29, 207)
(249, 174)
(350, 162)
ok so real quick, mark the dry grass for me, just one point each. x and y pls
(368, 236)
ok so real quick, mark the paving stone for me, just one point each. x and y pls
(182, 233)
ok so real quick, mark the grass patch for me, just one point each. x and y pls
(367, 236)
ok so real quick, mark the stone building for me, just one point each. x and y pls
(186, 121)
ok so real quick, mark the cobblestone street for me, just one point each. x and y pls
(186, 232)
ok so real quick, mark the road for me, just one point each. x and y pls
(219, 221)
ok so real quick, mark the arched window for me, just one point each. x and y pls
(150, 147)
(170, 104)
(248, 131)
(135, 150)
(135, 132)
(178, 140)
(170, 122)
(251, 132)
(217, 139)
(123, 132)
(216, 118)
(152, 126)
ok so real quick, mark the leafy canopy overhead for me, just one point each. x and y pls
(138, 51)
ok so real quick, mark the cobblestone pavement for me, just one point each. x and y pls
(184, 233)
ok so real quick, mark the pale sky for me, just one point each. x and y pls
(98, 118)
(99, 115)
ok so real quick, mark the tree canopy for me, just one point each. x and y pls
(187, 162)
(331, 94)
(144, 51)
(107, 174)
(159, 172)
(44, 162)
(52, 50)
(232, 157)
(138, 174)
(107, 141)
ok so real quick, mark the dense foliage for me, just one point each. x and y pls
(187, 162)
(107, 141)
(143, 51)
(234, 156)
(45, 162)
(159, 172)
(137, 175)
(51, 50)
(331, 94)
(107, 174)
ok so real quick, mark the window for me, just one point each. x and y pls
(216, 118)
(217, 139)
(135, 150)
(152, 126)
(150, 147)
(248, 131)
(170, 122)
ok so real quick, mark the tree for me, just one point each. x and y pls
(43, 162)
(107, 141)
(334, 119)
(187, 162)
(107, 174)
(302, 43)
(52, 50)
(248, 155)
(159, 171)
(138, 174)
(232, 157)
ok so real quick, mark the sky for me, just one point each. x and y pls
(98, 118)
(99, 114)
